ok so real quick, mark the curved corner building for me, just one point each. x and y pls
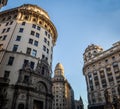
(102, 71)
(27, 38)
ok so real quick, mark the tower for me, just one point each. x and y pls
(27, 38)
(62, 90)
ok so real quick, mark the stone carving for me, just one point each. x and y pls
(107, 96)
(108, 104)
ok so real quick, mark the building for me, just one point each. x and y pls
(79, 104)
(102, 72)
(3, 3)
(27, 38)
(61, 89)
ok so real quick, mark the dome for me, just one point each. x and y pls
(59, 66)
(92, 46)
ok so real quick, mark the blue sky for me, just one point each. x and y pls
(79, 23)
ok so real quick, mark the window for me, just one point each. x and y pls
(48, 43)
(106, 60)
(15, 47)
(44, 48)
(11, 22)
(38, 28)
(10, 61)
(43, 56)
(34, 52)
(8, 29)
(113, 58)
(30, 41)
(3, 30)
(23, 23)
(33, 26)
(26, 79)
(3, 19)
(46, 33)
(45, 40)
(26, 62)
(47, 50)
(49, 36)
(4, 37)
(32, 33)
(21, 106)
(21, 30)
(36, 43)
(28, 51)
(7, 24)
(37, 35)
(6, 74)
(9, 18)
(18, 38)
(32, 64)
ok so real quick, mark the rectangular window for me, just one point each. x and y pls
(32, 33)
(3, 30)
(8, 29)
(18, 38)
(26, 62)
(49, 36)
(6, 74)
(47, 50)
(46, 33)
(45, 40)
(33, 26)
(30, 41)
(36, 43)
(37, 35)
(26, 79)
(10, 61)
(23, 23)
(7, 24)
(32, 64)
(28, 51)
(11, 22)
(44, 48)
(21, 30)
(38, 28)
(15, 47)
(34, 52)
(4, 37)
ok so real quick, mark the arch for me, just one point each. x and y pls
(44, 84)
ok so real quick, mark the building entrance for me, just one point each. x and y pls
(38, 104)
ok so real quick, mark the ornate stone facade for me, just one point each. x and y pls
(26, 47)
(102, 72)
(61, 89)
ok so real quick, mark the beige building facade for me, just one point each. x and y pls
(27, 38)
(102, 72)
(61, 89)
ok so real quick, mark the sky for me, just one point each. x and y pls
(79, 23)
